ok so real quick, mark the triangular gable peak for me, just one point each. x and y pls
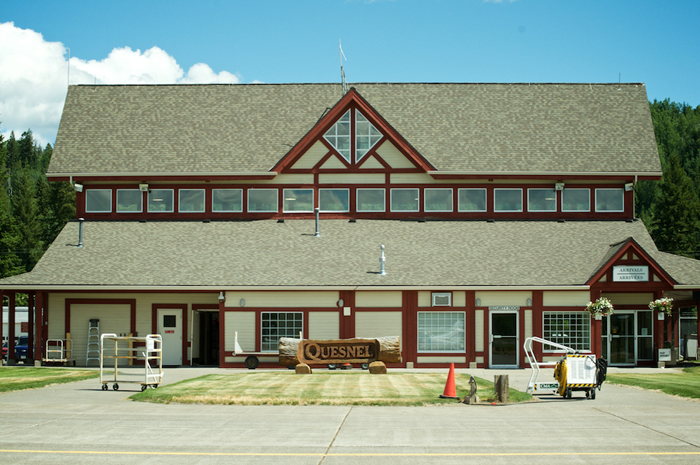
(627, 264)
(353, 137)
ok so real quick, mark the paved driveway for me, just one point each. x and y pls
(79, 423)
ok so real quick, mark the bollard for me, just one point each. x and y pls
(500, 386)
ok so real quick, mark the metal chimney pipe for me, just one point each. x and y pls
(382, 263)
(80, 231)
(318, 233)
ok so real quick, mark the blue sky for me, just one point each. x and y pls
(655, 42)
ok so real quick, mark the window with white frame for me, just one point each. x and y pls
(371, 200)
(508, 200)
(576, 200)
(191, 200)
(442, 299)
(298, 200)
(405, 200)
(98, 200)
(275, 325)
(572, 329)
(129, 201)
(437, 200)
(262, 200)
(609, 200)
(160, 200)
(227, 200)
(334, 200)
(471, 200)
(541, 200)
(441, 332)
(339, 136)
(366, 136)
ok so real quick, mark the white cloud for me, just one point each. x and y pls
(35, 73)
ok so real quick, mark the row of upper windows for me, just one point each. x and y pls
(367, 200)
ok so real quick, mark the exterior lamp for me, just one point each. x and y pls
(559, 186)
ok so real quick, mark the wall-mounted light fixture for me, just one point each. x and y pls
(478, 302)
(629, 187)
(528, 302)
(143, 187)
(77, 187)
(341, 302)
(221, 296)
(559, 186)
(242, 302)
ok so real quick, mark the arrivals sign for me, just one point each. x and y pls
(626, 273)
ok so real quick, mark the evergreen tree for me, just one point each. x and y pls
(25, 210)
(677, 213)
(10, 263)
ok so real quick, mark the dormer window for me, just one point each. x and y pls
(366, 136)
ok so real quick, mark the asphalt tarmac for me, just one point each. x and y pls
(78, 423)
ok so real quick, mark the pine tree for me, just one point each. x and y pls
(25, 210)
(10, 263)
(677, 212)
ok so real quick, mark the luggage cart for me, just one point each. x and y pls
(148, 349)
(58, 351)
(574, 372)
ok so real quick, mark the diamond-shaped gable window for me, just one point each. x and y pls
(366, 136)
(339, 136)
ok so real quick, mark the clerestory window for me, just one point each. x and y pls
(340, 136)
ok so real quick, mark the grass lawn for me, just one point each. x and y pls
(320, 388)
(684, 384)
(17, 378)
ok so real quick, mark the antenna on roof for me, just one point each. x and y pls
(341, 55)
(619, 81)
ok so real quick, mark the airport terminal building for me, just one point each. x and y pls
(463, 218)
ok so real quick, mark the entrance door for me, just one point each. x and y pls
(209, 338)
(504, 340)
(621, 332)
(170, 329)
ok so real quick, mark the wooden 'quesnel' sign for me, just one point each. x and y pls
(322, 352)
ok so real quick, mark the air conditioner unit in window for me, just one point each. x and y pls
(442, 299)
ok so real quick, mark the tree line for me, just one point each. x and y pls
(33, 211)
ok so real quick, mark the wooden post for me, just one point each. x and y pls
(500, 386)
(11, 329)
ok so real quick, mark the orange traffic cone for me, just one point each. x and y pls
(450, 389)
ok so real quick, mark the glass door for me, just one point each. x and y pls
(621, 337)
(504, 339)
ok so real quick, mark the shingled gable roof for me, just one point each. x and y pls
(617, 251)
(220, 130)
(229, 254)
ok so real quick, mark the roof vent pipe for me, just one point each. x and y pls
(318, 233)
(382, 263)
(80, 231)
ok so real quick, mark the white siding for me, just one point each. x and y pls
(282, 299)
(494, 298)
(565, 298)
(324, 325)
(113, 319)
(377, 324)
(479, 330)
(311, 157)
(244, 324)
(393, 156)
(441, 359)
(351, 178)
(378, 299)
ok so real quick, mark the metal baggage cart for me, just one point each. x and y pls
(131, 349)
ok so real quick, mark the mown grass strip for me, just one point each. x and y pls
(19, 378)
(683, 384)
(287, 388)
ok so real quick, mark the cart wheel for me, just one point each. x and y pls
(115, 386)
(568, 393)
(144, 387)
(251, 362)
(593, 394)
(154, 386)
(364, 366)
(332, 366)
(105, 387)
(588, 393)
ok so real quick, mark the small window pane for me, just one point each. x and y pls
(169, 321)
(129, 201)
(339, 136)
(279, 325)
(404, 200)
(299, 200)
(191, 200)
(441, 332)
(576, 200)
(262, 200)
(160, 200)
(472, 200)
(438, 200)
(541, 200)
(227, 200)
(508, 200)
(571, 329)
(334, 200)
(609, 200)
(98, 200)
(366, 136)
(371, 200)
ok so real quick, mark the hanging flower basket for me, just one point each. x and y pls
(600, 308)
(662, 305)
